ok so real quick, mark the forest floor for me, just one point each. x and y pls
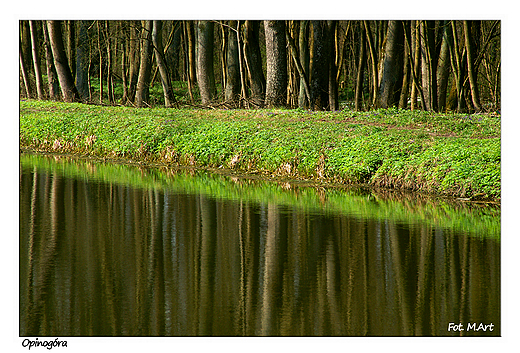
(450, 154)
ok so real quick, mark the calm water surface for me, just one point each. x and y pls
(114, 250)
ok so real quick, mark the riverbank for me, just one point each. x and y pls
(449, 154)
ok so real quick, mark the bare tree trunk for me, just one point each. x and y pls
(100, 51)
(68, 88)
(110, 64)
(169, 99)
(205, 71)
(253, 59)
(232, 86)
(82, 61)
(305, 61)
(360, 72)
(403, 99)
(333, 68)
(36, 59)
(443, 71)
(71, 46)
(133, 60)
(373, 66)
(391, 79)
(191, 59)
(52, 76)
(429, 65)
(142, 96)
(276, 56)
(472, 75)
(320, 67)
(25, 74)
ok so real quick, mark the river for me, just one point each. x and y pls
(109, 249)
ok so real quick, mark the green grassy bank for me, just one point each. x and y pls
(450, 154)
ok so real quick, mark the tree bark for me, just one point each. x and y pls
(391, 79)
(71, 46)
(443, 68)
(429, 65)
(25, 74)
(373, 65)
(169, 99)
(68, 88)
(472, 74)
(232, 89)
(133, 61)
(253, 58)
(36, 59)
(142, 96)
(205, 70)
(305, 61)
(82, 61)
(333, 68)
(276, 60)
(320, 67)
(52, 76)
(358, 98)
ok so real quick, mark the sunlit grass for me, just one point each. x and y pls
(451, 154)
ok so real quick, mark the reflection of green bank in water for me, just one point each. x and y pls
(476, 219)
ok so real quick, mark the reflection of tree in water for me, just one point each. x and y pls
(105, 259)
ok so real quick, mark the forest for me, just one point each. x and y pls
(432, 65)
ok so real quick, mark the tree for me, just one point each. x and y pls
(68, 88)
(82, 61)
(276, 56)
(52, 76)
(205, 71)
(320, 66)
(305, 60)
(36, 59)
(358, 99)
(232, 89)
(392, 77)
(470, 50)
(253, 59)
(142, 95)
(169, 99)
(428, 64)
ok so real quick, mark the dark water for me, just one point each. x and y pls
(151, 257)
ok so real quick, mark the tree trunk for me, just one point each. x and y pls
(333, 68)
(100, 52)
(232, 87)
(276, 60)
(71, 46)
(133, 60)
(429, 65)
(391, 79)
(36, 60)
(320, 67)
(110, 63)
(169, 99)
(443, 68)
(26, 56)
(373, 66)
(68, 88)
(253, 59)
(25, 74)
(191, 58)
(472, 74)
(52, 76)
(205, 70)
(305, 61)
(82, 61)
(405, 88)
(142, 96)
(358, 99)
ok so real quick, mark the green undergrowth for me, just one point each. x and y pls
(449, 154)
(472, 218)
